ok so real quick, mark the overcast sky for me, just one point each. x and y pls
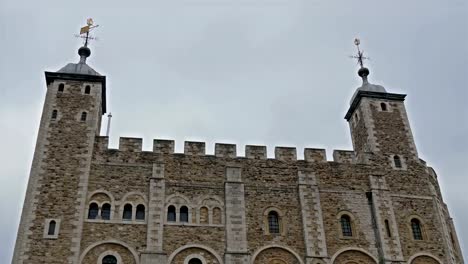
(273, 72)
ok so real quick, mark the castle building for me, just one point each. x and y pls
(88, 204)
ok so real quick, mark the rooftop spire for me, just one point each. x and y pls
(363, 71)
(84, 51)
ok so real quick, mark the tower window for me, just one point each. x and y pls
(93, 211)
(51, 230)
(127, 213)
(87, 89)
(61, 87)
(397, 161)
(184, 214)
(54, 114)
(83, 116)
(387, 228)
(203, 215)
(171, 214)
(105, 211)
(195, 261)
(383, 106)
(140, 212)
(273, 223)
(109, 259)
(346, 228)
(416, 228)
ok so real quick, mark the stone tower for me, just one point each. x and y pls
(71, 119)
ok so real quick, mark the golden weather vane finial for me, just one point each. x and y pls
(84, 31)
(360, 56)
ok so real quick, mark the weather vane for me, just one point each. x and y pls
(84, 31)
(360, 56)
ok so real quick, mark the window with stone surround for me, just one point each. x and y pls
(273, 219)
(184, 215)
(346, 227)
(171, 213)
(51, 228)
(397, 161)
(217, 218)
(87, 89)
(127, 212)
(273, 223)
(140, 212)
(204, 215)
(83, 117)
(109, 259)
(105, 211)
(416, 229)
(93, 211)
(54, 114)
(61, 87)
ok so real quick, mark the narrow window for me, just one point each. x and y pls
(273, 223)
(203, 215)
(346, 229)
(383, 106)
(171, 214)
(87, 89)
(216, 216)
(416, 228)
(93, 211)
(184, 214)
(83, 116)
(387, 227)
(105, 211)
(195, 261)
(127, 212)
(109, 259)
(51, 230)
(54, 114)
(140, 212)
(61, 88)
(397, 161)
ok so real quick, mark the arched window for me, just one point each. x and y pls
(383, 106)
(346, 228)
(203, 215)
(105, 211)
(61, 87)
(93, 211)
(83, 116)
(51, 230)
(109, 259)
(127, 212)
(184, 214)
(171, 214)
(195, 261)
(273, 223)
(87, 89)
(387, 228)
(397, 161)
(54, 114)
(140, 212)
(216, 216)
(416, 228)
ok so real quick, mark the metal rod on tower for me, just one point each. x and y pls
(109, 117)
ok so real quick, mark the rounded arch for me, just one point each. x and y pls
(169, 198)
(107, 253)
(423, 254)
(269, 209)
(192, 256)
(343, 250)
(210, 250)
(254, 256)
(208, 197)
(111, 241)
(125, 197)
(111, 197)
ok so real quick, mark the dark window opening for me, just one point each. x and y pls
(416, 228)
(83, 116)
(171, 214)
(397, 161)
(109, 259)
(140, 212)
(184, 214)
(383, 106)
(51, 230)
(346, 228)
(61, 87)
(195, 261)
(105, 211)
(87, 89)
(273, 223)
(127, 213)
(54, 114)
(93, 211)
(387, 227)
